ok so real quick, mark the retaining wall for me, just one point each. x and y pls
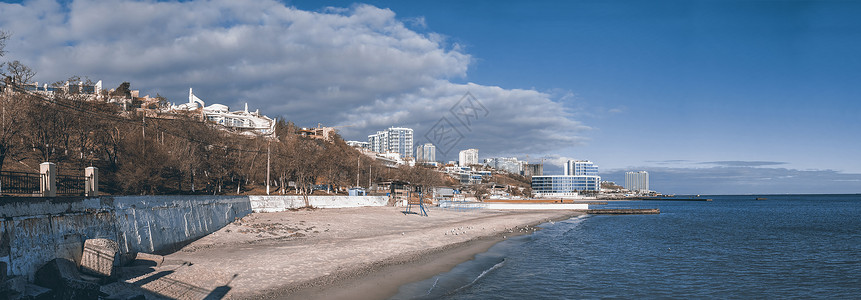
(282, 203)
(35, 230)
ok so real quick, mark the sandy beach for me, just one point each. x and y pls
(355, 253)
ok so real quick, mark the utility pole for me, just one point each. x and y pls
(358, 166)
(268, 151)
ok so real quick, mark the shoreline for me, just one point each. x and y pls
(384, 280)
(355, 253)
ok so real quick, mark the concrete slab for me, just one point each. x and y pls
(98, 257)
(147, 259)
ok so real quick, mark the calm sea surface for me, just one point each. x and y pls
(788, 246)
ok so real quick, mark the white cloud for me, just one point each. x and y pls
(359, 65)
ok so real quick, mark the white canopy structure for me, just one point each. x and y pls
(243, 120)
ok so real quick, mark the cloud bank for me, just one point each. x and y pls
(744, 180)
(359, 66)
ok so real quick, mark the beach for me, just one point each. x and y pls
(355, 253)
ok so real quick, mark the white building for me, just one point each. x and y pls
(468, 157)
(358, 144)
(580, 167)
(637, 181)
(394, 139)
(242, 120)
(77, 88)
(426, 153)
(507, 164)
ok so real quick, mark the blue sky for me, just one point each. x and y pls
(709, 96)
(678, 83)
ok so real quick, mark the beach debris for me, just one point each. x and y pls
(62, 276)
(98, 257)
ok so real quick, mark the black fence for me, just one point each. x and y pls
(27, 184)
(19, 183)
(70, 185)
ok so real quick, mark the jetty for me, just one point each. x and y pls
(546, 201)
(673, 199)
(624, 211)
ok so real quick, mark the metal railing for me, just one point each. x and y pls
(19, 183)
(29, 184)
(70, 185)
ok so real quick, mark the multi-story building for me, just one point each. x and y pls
(507, 164)
(465, 174)
(468, 157)
(394, 139)
(637, 181)
(92, 91)
(426, 153)
(548, 186)
(580, 167)
(379, 142)
(533, 169)
(358, 144)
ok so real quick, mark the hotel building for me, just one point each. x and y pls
(561, 186)
(580, 167)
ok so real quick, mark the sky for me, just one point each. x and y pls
(710, 97)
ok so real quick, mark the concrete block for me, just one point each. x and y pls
(61, 275)
(98, 257)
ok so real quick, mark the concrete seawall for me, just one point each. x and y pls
(35, 230)
(282, 203)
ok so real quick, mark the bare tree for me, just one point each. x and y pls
(14, 112)
(19, 72)
(3, 37)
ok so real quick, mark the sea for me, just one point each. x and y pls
(733, 247)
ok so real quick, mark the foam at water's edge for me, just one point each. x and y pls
(468, 273)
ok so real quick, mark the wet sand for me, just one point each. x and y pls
(350, 253)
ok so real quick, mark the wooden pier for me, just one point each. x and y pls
(624, 211)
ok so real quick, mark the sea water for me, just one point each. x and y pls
(787, 246)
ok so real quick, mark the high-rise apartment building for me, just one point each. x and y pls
(426, 153)
(468, 157)
(637, 181)
(394, 139)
